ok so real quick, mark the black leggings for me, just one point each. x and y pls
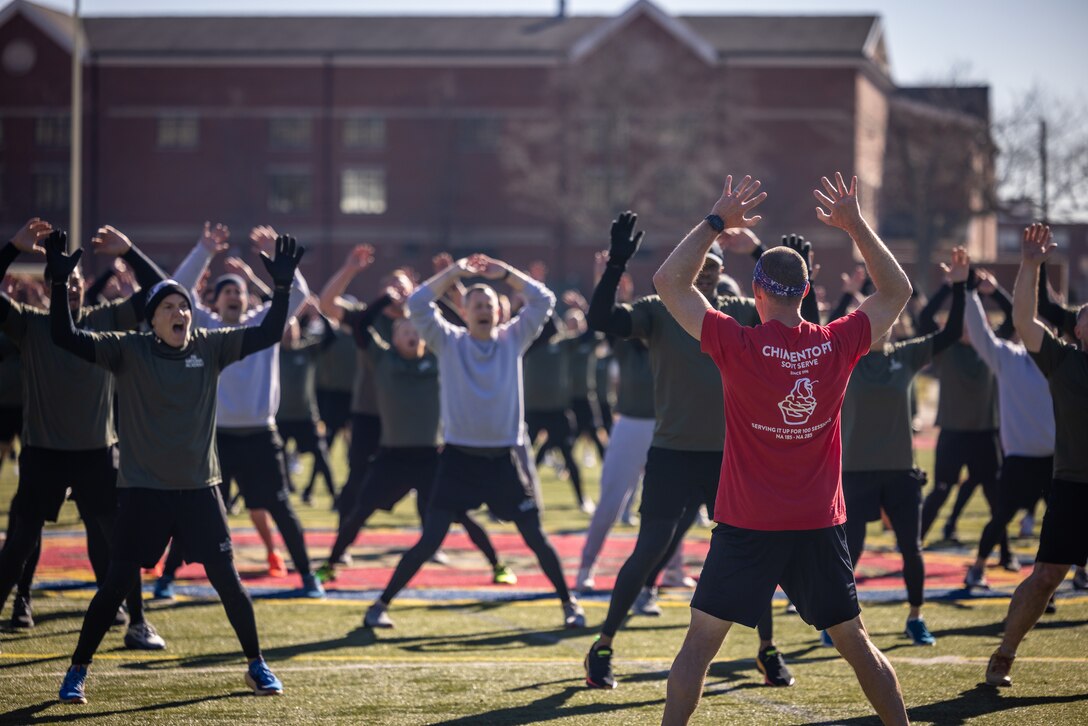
(556, 425)
(656, 543)
(435, 527)
(939, 494)
(19, 558)
(906, 522)
(223, 577)
(321, 466)
(1023, 480)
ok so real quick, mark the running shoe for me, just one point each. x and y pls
(164, 589)
(440, 558)
(585, 581)
(344, 561)
(630, 519)
(587, 506)
(950, 538)
(919, 633)
(975, 577)
(311, 587)
(377, 617)
(276, 566)
(121, 618)
(326, 573)
(998, 670)
(791, 609)
(1027, 526)
(72, 687)
(773, 667)
(646, 603)
(598, 664)
(1051, 606)
(677, 578)
(825, 639)
(503, 575)
(1080, 579)
(143, 636)
(22, 616)
(260, 678)
(1011, 563)
(573, 614)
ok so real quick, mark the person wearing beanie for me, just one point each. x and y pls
(68, 437)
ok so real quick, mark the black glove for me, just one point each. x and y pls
(624, 245)
(282, 268)
(798, 244)
(58, 264)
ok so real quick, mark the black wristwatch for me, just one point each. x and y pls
(716, 222)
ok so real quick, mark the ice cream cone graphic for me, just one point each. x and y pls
(798, 406)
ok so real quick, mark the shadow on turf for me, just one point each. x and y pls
(548, 708)
(30, 714)
(982, 700)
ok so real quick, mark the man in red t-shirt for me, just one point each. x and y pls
(779, 507)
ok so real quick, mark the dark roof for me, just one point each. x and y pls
(970, 100)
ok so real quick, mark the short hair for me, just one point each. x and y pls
(785, 267)
(479, 287)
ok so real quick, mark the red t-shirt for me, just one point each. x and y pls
(784, 387)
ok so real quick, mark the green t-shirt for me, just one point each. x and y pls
(298, 396)
(408, 400)
(546, 375)
(876, 414)
(688, 396)
(583, 364)
(364, 398)
(336, 364)
(1066, 370)
(968, 399)
(11, 374)
(67, 402)
(167, 399)
(636, 390)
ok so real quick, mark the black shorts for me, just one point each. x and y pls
(256, 461)
(335, 410)
(979, 451)
(305, 434)
(394, 472)
(557, 424)
(899, 493)
(744, 566)
(148, 518)
(675, 480)
(366, 432)
(587, 419)
(46, 474)
(11, 423)
(1024, 480)
(466, 480)
(1064, 538)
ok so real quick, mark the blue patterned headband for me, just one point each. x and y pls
(774, 286)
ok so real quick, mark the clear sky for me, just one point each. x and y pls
(1010, 44)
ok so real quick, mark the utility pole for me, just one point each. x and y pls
(1045, 205)
(75, 185)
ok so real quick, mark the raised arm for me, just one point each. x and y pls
(840, 209)
(539, 300)
(237, 266)
(112, 242)
(1035, 248)
(927, 316)
(1061, 317)
(59, 266)
(30, 238)
(362, 332)
(987, 285)
(675, 279)
(360, 258)
(953, 327)
(212, 241)
(810, 308)
(281, 269)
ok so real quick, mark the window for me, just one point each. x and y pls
(290, 133)
(289, 191)
(602, 187)
(51, 190)
(53, 130)
(478, 134)
(364, 133)
(362, 191)
(178, 132)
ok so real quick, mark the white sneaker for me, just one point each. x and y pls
(630, 519)
(377, 617)
(143, 636)
(440, 558)
(677, 578)
(588, 506)
(585, 581)
(646, 603)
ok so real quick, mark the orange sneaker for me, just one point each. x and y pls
(276, 566)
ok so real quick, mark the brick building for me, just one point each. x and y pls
(520, 136)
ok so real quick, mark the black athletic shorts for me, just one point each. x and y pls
(675, 480)
(587, 419)
(304, 432)
(335, 410)
(1024, 480)
(46, 474)
(366, 432)
(556, 423)
(148, 518)
(394, 472)
(744, 566)
(1064, 538)
(11, 422)
(256, 461)
(899, 493)
(979, 451)
(467, 478)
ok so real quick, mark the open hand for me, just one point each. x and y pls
(961, 265)
(798, 244)
(110, 241)
(987, 284)
(624, 240)
(1036, 245)
(735, 203)
(484, 266)
(215, 238)
(31, 238)
(360, 257)
(841, 203)
(281, 268)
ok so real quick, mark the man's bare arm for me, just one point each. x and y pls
(358, 260)
(1035, 248)
(892, 286)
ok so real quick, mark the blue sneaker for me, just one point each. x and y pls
(311, 587)
(71, 690)
(825, 640)
(260, 678)
(919, 633)
(164, 588)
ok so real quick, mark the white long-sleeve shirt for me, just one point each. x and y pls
(1023, 395)
(249, 390)
(480, 382)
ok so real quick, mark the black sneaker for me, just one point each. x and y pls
(1051, 606)
(21, 615)
(598, 665)
(773, 667)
